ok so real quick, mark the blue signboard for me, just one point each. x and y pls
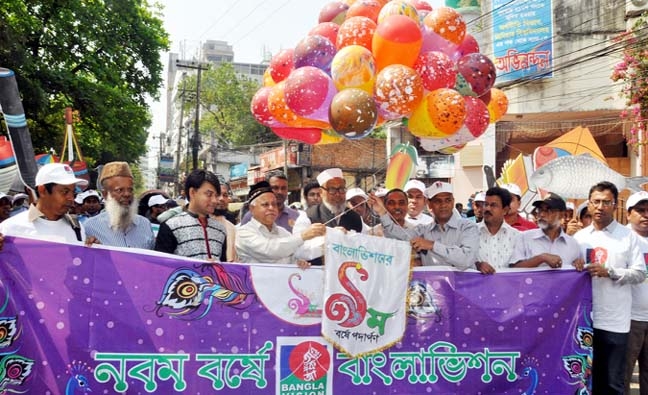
(522, 39)
(238, 171)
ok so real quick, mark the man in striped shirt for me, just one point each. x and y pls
(119, 225)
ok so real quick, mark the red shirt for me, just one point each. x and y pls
(523, 224)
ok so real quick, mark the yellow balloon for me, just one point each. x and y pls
(329, 137)
(420, 123)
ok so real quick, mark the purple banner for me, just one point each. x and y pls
(76, 318)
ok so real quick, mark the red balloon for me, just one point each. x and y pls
(436, 69)
(334, 11)
(260, 110)
(326, 29)
(281, 65)
(476, 74)
(477, 116)
(305, 135)
(468, 45)
(366, 8)
(358, 30)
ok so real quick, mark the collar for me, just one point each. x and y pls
(261, 226)
(34, 213)
(504, 228)
(610, 228)
(453, 222)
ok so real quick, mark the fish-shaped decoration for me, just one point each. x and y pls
(572, 176)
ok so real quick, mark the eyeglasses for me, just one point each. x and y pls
(335, 190)
(604, 203)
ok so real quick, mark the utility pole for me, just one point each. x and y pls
(180, 127)
(195, 144)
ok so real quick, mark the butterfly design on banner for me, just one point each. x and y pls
(15, 369)
(579, 364)
(422, 302)
(186, 290)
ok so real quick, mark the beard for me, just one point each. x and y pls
(120, 217)
(336, 209)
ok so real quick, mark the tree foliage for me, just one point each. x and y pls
(225, 98)
(100, 57)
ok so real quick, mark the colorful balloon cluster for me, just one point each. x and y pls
(372, 61)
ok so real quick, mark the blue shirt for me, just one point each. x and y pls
(138, 234)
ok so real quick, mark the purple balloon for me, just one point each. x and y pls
(316, 51)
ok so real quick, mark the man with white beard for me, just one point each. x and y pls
(548, 245)
(119, 225)
(332, 212)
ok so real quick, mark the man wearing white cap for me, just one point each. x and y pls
(332, 212)
(357, 201)
(513, 217)
(637, 208)
(478, 207)
(449, 241)
(415, 190)
(19, 203)
(90, 204)
(49, 218)
(119, 224)
(614, 261)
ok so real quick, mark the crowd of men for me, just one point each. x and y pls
(491, 237)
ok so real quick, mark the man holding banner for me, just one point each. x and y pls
(450, 240)
(614, 261)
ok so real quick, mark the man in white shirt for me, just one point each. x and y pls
(548, 245)
(262, 241)
(637, 208)
(416, 201)
(497, 239)
(49, 217)
(614, 261)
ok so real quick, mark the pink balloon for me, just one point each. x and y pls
(436, 69)
(434, 42)
(467, 46)
(281, 65)
(326, 29)
(476, 74)
(309, 92)
(477, 116)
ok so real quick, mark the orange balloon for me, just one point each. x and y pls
(282, 113)
(367, 8)
(498, 105)
(447, 109)
(358, 30)
(447, 23)
(398, 91)
(420, 122)
(397, 40)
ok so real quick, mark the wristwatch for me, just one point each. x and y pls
(611, 273)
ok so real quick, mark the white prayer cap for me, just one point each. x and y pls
(353, 192)
(328, 175)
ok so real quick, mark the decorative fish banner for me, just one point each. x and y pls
(14, 116)
(572, 176)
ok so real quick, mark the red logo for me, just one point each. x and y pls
(309, 361)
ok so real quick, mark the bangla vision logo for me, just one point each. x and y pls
(304, 368)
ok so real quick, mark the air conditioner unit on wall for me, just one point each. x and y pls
(635, 7)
